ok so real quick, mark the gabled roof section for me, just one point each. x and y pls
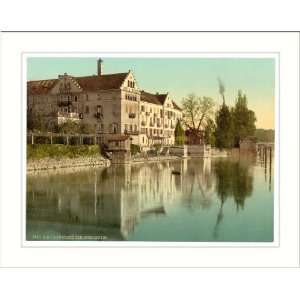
(38, 87)
(158, 99)
(162, 98)
(103, 82)
(153, 98)
(176, 106)
(88, 83)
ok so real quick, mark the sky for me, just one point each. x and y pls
(180, 77)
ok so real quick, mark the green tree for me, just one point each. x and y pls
(209, 132)
(243, 119)
(35, 121)
(179, 134)
(68, 127)
(86, 128)
(224, 127)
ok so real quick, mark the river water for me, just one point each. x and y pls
(218, 199)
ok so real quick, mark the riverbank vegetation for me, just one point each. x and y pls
(40, 151)
(223, 127)
(179, 134)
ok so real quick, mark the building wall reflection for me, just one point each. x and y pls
(115, 199)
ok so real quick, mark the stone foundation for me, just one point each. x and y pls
(199, 150)
(178, 150)
(57, 163)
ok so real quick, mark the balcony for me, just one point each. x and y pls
(131, 132)
(63, 117)
(131, 115)
(98, 115)
(64, 102)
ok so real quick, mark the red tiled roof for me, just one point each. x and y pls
(162, 98)
(40, 86)
(156, 99)
(150, 98)
(90, 83)
(103, 82)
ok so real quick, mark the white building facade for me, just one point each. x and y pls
(107, 103)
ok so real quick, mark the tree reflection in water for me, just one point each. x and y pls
(233, 180)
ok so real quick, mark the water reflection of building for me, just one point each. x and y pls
(113, 200)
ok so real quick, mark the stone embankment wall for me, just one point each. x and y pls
(199, 150)
(64, 162)
(178, 150)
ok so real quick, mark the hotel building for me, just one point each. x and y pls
(108, 103)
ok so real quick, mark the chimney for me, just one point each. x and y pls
(99, 66)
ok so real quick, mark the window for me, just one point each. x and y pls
(99, 109)
(87, 97)
(142, 108)
(87, 109)
(75, 98)
(114, 128)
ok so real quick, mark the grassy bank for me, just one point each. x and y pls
(40, 151)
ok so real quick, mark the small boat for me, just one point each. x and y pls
(176, 172)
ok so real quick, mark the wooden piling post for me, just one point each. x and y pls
(32, 139)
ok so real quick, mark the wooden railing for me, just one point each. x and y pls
(66, 139)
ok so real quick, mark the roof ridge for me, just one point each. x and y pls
(103, 75)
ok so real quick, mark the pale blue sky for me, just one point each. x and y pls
(180, 76)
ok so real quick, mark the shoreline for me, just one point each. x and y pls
(47, 164)
(86, 162)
